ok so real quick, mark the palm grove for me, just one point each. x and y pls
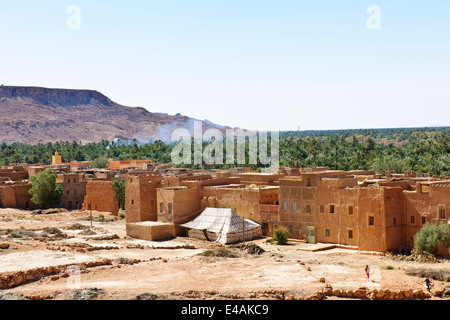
(424, 150)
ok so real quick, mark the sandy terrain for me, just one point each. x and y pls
(175, 270)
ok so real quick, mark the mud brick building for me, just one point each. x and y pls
(347, 208)
(178, 199)
(140, 196)
(14, 187)
(100, 196)
(74, 190)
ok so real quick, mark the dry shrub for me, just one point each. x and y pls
(436, 274)
(220, 252)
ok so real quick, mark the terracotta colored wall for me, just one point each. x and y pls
(74, 190)
(17, 196)
(14, 175)
(370, 203)
(100, 196)
(244, 201)
(342, 221)
(382, 203)
(151, 233)
(140, 197)
(291, 192)
(426, 204)
(395, 220)
(259, 179)
(185, 204)
(8, 197)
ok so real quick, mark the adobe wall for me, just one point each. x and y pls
(440, 195)
(417, 204)
(17, 196)
(425, 203)
(23, 197)
(340, 226)
(210, 182)
(193, 177)
(269, 195)
(371, 203)
(293, 191)
(396, 211)
(74, 190)
(395, 218)
(100, 196)
(244, 201)
(33, 170)
(185, 204)
(151, 232)
(259, 179)
(7, 196)
(14, 175)
(140, 197)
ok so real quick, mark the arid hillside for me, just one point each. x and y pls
(39, 115)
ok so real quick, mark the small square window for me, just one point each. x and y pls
(350, 210)
(350, 234)
(441, 212)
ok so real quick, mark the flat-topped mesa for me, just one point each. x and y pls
(64, 97)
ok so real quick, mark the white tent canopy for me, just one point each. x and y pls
(224, 225)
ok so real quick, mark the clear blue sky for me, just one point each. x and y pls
(255, 64)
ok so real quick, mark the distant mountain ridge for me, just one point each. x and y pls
(39, 115)
(55, 96)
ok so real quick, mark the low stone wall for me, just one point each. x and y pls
(17, 278)
(373, 294)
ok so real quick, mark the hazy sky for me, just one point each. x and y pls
(254, 64)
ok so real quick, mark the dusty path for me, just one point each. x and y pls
(174, 270)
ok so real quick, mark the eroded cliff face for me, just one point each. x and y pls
(63, 97)
(39, 115)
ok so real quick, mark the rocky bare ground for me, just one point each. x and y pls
(62, 256)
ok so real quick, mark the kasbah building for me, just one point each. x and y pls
(357, 209)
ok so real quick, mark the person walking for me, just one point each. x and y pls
(428, 284)
(367, 270)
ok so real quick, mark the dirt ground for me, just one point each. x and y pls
(174, 269)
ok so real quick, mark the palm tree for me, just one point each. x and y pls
(314, 149)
